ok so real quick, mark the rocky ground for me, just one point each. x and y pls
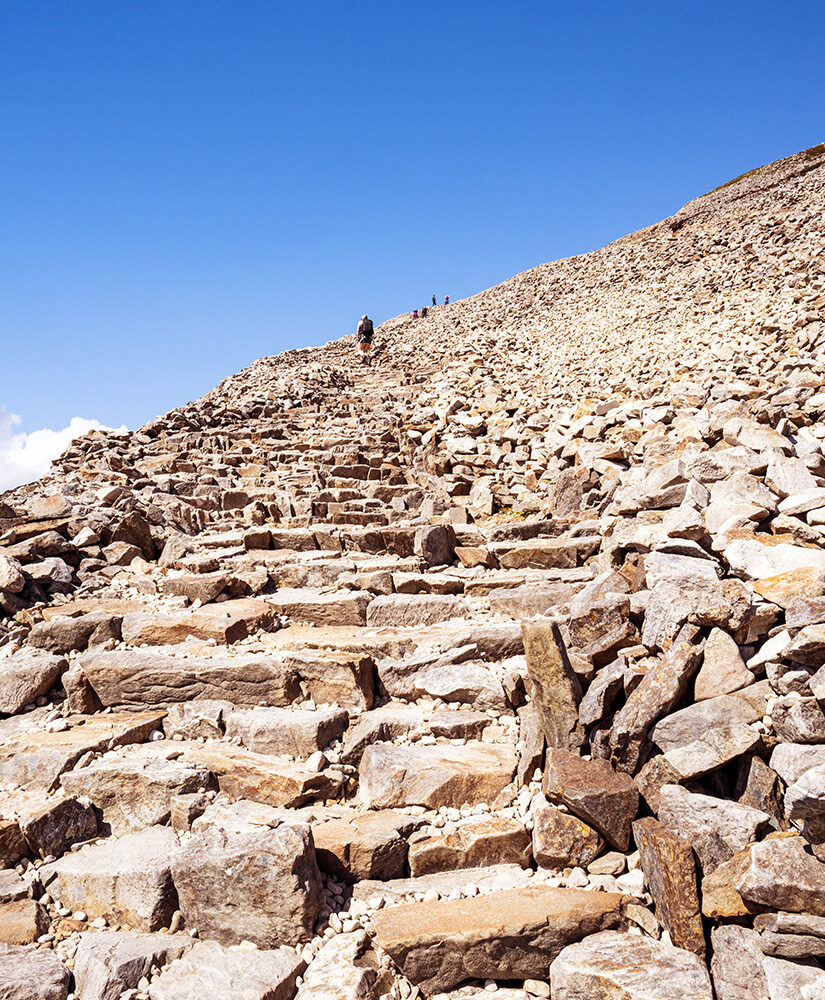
(496, 667)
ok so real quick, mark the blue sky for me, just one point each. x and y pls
(185, 186)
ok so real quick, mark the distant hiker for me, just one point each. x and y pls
(424, 313)
(364, 334)
(446, 300)
(415, 314)
(435, 303)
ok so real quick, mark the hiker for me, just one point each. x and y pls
(435, 303)
(446, 300)
(424, 313)
(364, 334)
(415, 314)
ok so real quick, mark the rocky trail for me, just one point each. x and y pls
(496, 668)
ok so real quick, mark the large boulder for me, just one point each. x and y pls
(555, 687)
(126, 881)
(263, 886)
(25, 675)
(433, 776)
(615, 966)
(28, 974)
(592, 789)
(107, 965)
(210, 970)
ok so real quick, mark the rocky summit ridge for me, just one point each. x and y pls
(494, 668)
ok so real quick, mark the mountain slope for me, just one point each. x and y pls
(520, 626)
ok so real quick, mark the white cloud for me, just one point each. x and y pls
(26, 457)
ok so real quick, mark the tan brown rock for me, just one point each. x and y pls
(514, 934)
(670, 871)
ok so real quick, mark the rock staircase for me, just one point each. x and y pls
(492, 668)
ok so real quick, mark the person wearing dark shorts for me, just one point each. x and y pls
(364, 335)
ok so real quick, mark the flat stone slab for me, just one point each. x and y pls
(37, 759)
(613, 965)
(315, 608)
(286, 731)
(394, 777)
(477, 841)
(266, 778)
(226, 622)
(415, 609)
(133, 786)
(514, 934)
(210, 970)
(489, 879)
(138, 678)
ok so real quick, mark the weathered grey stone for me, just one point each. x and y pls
(106, 965)
(64, 634)
(475, 842)
(286, 731)
(467, 683)
(32, 974)
(210, 970)
(723, 670)
(133, 787)
(12, 580)
(805, 980)
(695, 721)
(716, 828)
(791, 760)
(37, 759)
(713, 750)
(347, 608)
(339, 970)
(555, 687)
(593, 790)
(415, 609)
(782, 875)
(191, 720)
(266, 778)
(51, 825)
(737, 969)
(381, 725)
(127, 881)
(467, 881)
(136, 678)
(394, 777)
(798, 720)
(25, 675)
(612, 965)
(659, 691)
(514, 934)
(365, 845)
(263, 886)
(344, 679)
